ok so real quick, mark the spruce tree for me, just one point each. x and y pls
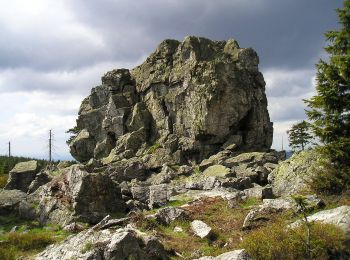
(329, 109)
(299, 136)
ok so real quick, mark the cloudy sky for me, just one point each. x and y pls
(52, 52)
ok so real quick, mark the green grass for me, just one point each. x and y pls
(3, 180)
(154, 148)
(196, 170)
(250, 202)
(173, 203)
(87, 247)
(226, 224)
(29, 239)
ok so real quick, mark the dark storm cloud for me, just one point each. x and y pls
(286, 33)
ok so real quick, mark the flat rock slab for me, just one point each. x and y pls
(339, 216)
(22, 175)
(240, 254)
(200, 229)
(218, 171)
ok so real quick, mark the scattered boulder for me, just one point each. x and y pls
(240, 254)
(22, 175)
(218, 171)
(10, 201)
(272, 206)
(259, 192)
(123, 243)
(158, 195)
(169, 214)
(339, 216)
(291, 176)
(200, 229)
(78, 195)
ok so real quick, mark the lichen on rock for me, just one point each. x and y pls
(193, 97)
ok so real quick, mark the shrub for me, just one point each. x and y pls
(332, 177)
(276, 241)
(8, 253)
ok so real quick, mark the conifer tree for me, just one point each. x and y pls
(329, 109)
(299, 136)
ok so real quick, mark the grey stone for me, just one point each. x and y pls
(200, 229)
(41, 178)
(240, 254)
(78, 195)
(259, 192)
(170, 214)
(158, 195)
(176, 96)
(123, 243)
(271, 206)
(10, 201)
(22, 175)
(339, 216)
(291, 176)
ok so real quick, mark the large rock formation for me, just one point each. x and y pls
(185, 102)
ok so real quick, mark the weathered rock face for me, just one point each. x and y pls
(96, 243)
(292, 176)
(77, 195)
(22, 175)
(188, 100)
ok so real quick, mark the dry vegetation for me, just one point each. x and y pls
(269, 239)
(27, 240)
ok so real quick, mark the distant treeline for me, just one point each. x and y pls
(7, 163)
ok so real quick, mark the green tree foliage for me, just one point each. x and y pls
(329, 109)
(299, 136)
(7, 163)
(74, 132)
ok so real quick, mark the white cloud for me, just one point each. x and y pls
(286, 90)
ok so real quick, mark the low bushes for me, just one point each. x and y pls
(276, 241)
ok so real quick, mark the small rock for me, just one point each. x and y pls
(14, 229)
(200, 229)
(259, 192)
(169, 214)
(178, 229)
(74, 227)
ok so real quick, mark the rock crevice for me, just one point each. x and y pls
(204, 93)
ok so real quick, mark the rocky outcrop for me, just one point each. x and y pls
(263, 212)
(185, 102)
(10, 201)
(97, 243)
(339, 216)
(22, 175)
(77, 195)
(292, 176)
